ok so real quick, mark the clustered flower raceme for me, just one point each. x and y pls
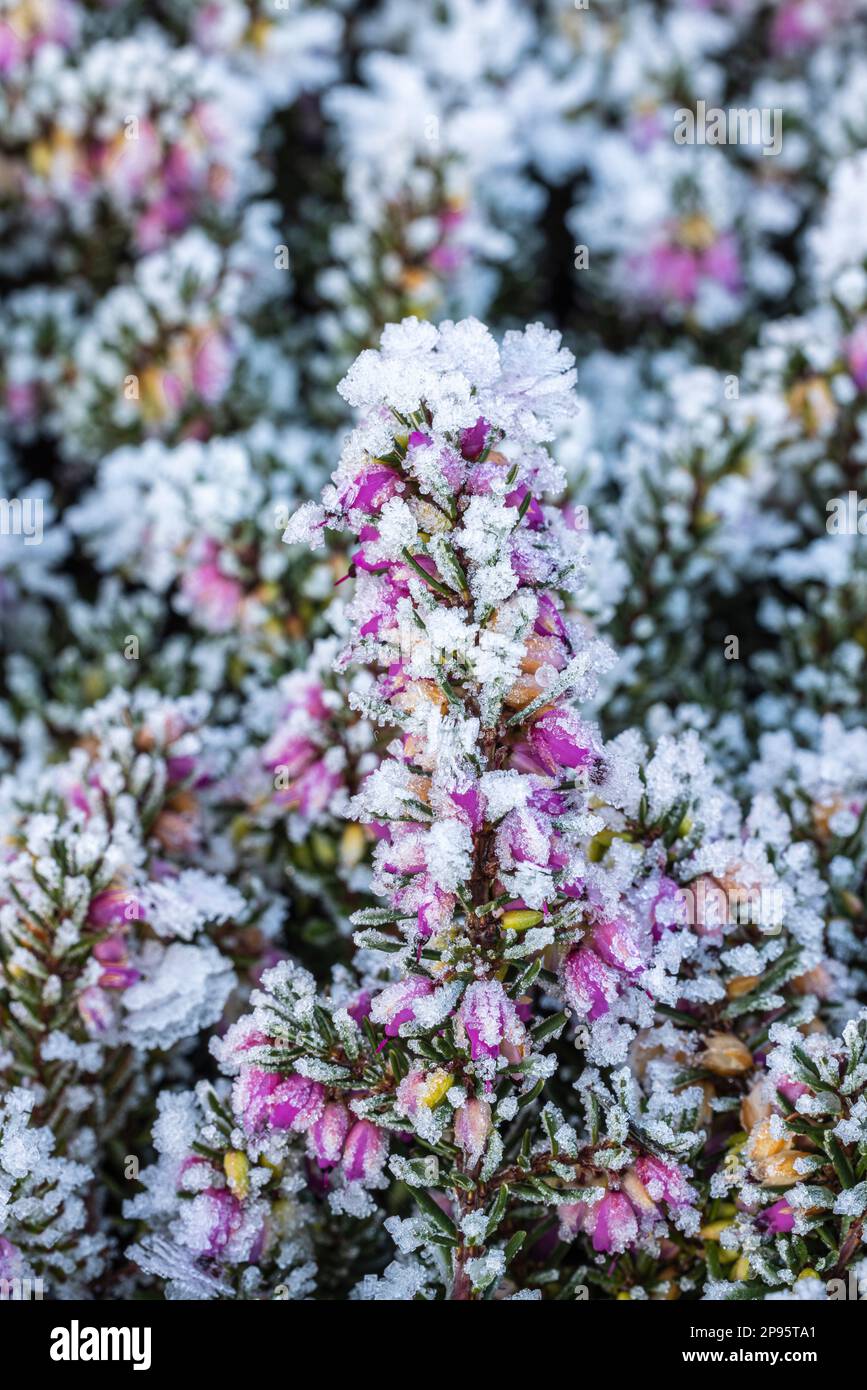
(421, 236)
(45, 1247)
(141, 129)
(305, 752)
(682, 247)
(286, 49)
(116, 947)
(203, 520)
(224, 1212)
(113, 937)
(518, 868)
(167, 354)
(800, 1172)
(753, 499)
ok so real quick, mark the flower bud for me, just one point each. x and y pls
(590, 985)
(472, 1127)
(237, 1170)
(725, 1055)
(664, 1181)
(610, 1221)
(365, 1152)
(394, 1005)
(755, 1105)
(96, 1010)
(616, 943)
(520, 920)
(779, 1170)
(488, 1018)
(296, 1104)
(559, 740)
(779, 1217)
(436, 1087)
(327, 1135)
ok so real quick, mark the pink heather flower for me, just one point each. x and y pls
(668, 274)
(212, 367)
(163, 219)
(118, 975)
(311, 793)
(590, 985)
(779, 1217)
(292, 1102)
(800, 24)
(111, 951)
(371, 489)
(488, 1018)
(616, 943)
(327, 1135)
(559, 740)
(359, 1009)
(523, 837)
(112, 905)
(645, 128)
(472, 1127)
(218, 1215)
(292, 752)
(721, 262)
(447, 258)
(856, 352)
(180, 769)
(296, 1104)
(471, 804)
(213, 597)
(534, 516)
(12, 49)
(410, 1092)
(21, 396)
(239, 1038)
(253, 1095)
(453, 466)
(611, 1222)
(96, 1010)
(473, 440)
(11, 1260)
(666, 910)
(549, 622)
(394, 1005)
(435, 913)
(664, 1181)
(365, 1152)
(791, 1089)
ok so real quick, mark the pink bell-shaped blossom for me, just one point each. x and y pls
(327, 1135)
(364, 1152)
(488, 1018)
(394, 1005)
(590, 985)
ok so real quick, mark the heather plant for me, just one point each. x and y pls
(559, 915)
(800, 1169)
(114, 939)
